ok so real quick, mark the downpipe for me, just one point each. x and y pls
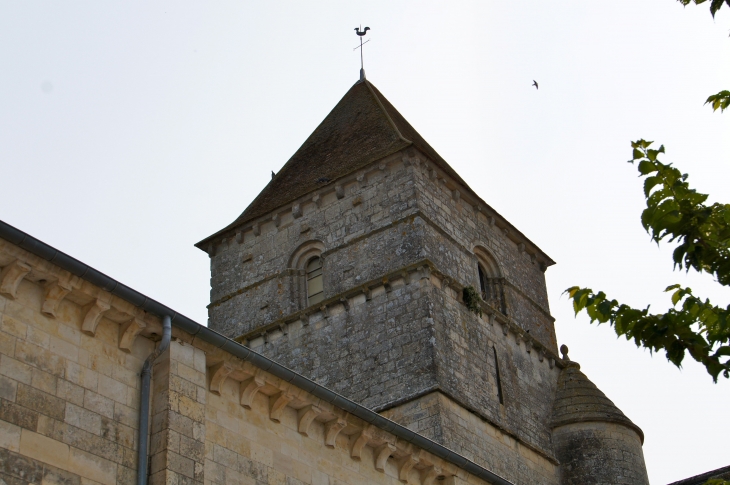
(144, 405)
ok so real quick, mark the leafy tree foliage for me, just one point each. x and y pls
(715, 5)
(675, 213)
(719, 101)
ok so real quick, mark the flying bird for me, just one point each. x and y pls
(364, 31)
(534, 83)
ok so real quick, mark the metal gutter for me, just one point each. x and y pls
(77, 268)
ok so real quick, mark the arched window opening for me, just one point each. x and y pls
(315, 285)
(491, 284)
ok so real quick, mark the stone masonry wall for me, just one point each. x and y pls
(465, 359)
(599, 454)
(440, 418)
(254, 277)
(458, 227)
(70, 354)
(417, 338)
(69, 400)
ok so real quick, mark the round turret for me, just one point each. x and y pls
(593, 440)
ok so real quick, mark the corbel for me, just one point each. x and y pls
(249, 389)
(505, 231)
(304, 318)
(93, 315)
(325, 311)
(276, 218)
(283, 329)
(492, 317)
(528, 344)
(367, 292)
(425, 272)
(218, 375)
(256, 228)
(521, 247)
(331, 430)
(386, 285)
(533, 258)
(551, 362)
(383, 168)
(406, 160)
(456, 195)
(306, 416)
(477, 208)
(296, 211)
(359, 441)
(492, 221)
(443, 181)
(210, 249)
(432, 173)
(11, 276)
(541, 355)
(239, 237)
(382, 453)
(345, 303)
(55, 293)
(317, 200)
(505, 329)
(362, 180)
(128, 332)
(428, 475)
(406, 277)
(446, 282)
(339, 191)
(543, 267)
(277, 403)
(406, 465)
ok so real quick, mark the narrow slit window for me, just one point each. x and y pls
(500, 396)
(315, 286)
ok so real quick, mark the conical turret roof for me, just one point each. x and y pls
(362, 128)
(579, 400)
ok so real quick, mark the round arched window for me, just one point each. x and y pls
(315, 286)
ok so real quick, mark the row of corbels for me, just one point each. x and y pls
(334, 421)
(407, 275)
(385, 168)
(57, 288)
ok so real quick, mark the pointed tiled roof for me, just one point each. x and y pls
(579, 400)
(362, 128)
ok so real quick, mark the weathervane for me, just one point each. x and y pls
(361, 35)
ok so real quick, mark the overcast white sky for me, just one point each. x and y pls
(130, 131)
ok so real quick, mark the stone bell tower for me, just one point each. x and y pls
(350, 267)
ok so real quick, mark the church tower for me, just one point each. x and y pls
(358, 266)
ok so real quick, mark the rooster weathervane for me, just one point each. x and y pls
(361, 34)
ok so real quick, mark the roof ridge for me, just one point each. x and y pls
(385, 111)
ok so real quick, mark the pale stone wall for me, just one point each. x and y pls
(68, 400)
(600, 454)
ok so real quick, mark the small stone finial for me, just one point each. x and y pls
(564, 351)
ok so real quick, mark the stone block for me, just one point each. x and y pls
(44, 449)
(39, 401)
